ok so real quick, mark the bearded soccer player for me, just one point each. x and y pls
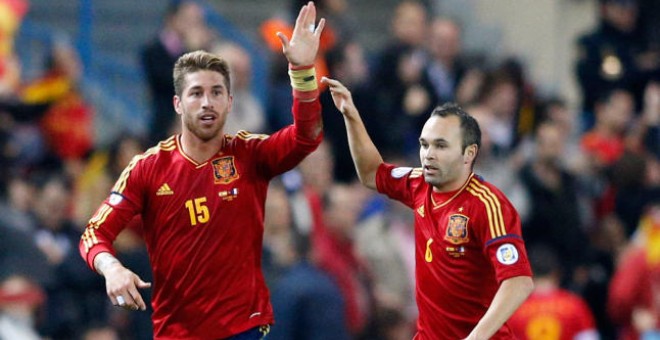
(201, 196)
(472, 270)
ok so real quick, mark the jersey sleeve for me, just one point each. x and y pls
(499, 230)
(284, 149)
(124, 202)
(397, 182)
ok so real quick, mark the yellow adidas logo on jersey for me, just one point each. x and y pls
(164, 190)
(420, 210)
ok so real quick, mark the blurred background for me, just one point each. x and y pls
(567, 93)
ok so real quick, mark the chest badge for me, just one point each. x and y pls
(224, 170)
(457, 231)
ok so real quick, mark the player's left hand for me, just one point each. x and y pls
(341, 97)
(304, 44)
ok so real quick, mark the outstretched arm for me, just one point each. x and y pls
(301, 51)
(365, 155)
(511, 294)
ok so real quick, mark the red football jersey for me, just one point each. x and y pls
(467, 242)
(203, 227)
(556, 314)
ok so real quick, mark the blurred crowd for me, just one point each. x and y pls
(339, 259)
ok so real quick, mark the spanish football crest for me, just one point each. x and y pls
(457, 231)
(224, 170)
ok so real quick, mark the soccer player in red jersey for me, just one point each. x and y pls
(472, 270)
(201, 197)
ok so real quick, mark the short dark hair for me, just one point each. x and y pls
(198, 61)
(469, 126)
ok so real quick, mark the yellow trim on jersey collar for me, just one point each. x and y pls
(440, 205)
(178, 146)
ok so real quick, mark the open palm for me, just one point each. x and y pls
(304, 44)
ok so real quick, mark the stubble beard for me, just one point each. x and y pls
(204, 135)
(435, 181)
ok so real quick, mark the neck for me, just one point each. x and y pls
(198, 150)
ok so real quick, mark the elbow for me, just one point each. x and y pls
(368, 180)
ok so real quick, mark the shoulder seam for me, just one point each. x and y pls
(492, 205)
(120, 185)
(245, 135)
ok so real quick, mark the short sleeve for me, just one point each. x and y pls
(398, 183)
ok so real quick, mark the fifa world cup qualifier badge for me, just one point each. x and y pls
(507, 254)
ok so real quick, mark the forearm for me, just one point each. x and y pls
(366, 156)
(307, 119)
(306, 107)
(511, 294)
(102, 229)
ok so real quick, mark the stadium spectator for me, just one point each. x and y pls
(551, 311)
(555, 218)
(306, 301)
(247, 112)
(184, 29)
(20, 301)
(614, 56)
(633, 300)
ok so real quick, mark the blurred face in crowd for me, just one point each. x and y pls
(52, 204)
(240, 63)
(277, 212)
(409, 24)
(617, 112)
(343, 210)
(204, 104)
(21, 194)
(441, 153)
(355, 68)
(445, 40)
(190, 16)
(549, 143)
(621, 14)
(504, 99)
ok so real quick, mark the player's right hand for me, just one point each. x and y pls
(341, 97)
(122, 287)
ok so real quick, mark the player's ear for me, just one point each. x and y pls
(470, 153)
(176, 101)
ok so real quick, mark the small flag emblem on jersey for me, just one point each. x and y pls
(224, 170)
(228, 195)
(457, 231)
(164, 190)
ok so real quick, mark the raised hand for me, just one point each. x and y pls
(341, 96)
(304, 44)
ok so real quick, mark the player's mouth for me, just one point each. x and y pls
(430, 169)
(208, 118)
